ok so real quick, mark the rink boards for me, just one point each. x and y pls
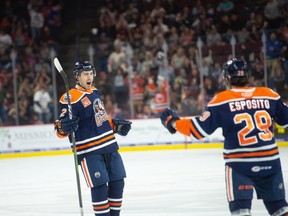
(38, 140)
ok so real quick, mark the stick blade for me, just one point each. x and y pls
(57, 65)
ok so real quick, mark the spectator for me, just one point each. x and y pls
(54, 20)
(121, 90)
(116, 58)
(20, 38)
(173, 36)
(273, 13)
(243, 35)
(5, 38)
(277, 76)
(257, 75)
(210, 89)
(36, 21)
(157, 12)
(273, 47)
(41, 101)
(186, 37)
(122, 26)
(164, 68)
(178, 59)
(224, 24)
(213, 37)
(102, 51)
(161, 99)
(160, 28)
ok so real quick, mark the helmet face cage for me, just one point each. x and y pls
(236, 72)
(81, 66)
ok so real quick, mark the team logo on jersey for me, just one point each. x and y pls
(159, 98)
(255, 169)
(247, 94)
(204, 116)
(85, 101)
(99, 112)
(97, 174)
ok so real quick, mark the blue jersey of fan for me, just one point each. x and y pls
(95, 134)
(246, 117)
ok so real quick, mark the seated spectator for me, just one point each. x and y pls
(213, 37)
(257, 75)
(243, 35)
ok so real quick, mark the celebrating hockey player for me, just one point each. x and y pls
(96, 146)
(246, 116)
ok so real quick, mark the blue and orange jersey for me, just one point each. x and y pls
(246, 116)
(95, 134)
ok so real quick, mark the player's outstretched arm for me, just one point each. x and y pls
(168, 118)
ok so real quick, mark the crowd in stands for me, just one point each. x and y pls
(29, 29)
(147, 53)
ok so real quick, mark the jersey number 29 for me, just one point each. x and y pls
(260, 120)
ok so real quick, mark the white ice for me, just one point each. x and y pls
(159, 183)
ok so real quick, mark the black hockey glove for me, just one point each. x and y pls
(167, 118)
(66, 126)
(121, 127)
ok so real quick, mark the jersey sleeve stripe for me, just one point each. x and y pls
(201, 131)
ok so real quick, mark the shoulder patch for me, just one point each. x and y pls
(204, 116)
(74, 94)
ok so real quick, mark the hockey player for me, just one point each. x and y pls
(246, 116)
(96, 146)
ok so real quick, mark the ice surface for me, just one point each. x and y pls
(159, 183)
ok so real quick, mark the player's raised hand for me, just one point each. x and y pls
(168, 117)
(121, 127)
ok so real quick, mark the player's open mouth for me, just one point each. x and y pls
(89, 83)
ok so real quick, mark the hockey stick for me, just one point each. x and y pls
(64, 76)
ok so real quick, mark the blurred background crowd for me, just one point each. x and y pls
(148, 54)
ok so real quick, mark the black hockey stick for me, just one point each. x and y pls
(64, 76)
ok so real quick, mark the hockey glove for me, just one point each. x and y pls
(66, 126)
(121, 127)
(168, 117)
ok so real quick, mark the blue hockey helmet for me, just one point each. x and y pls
(236, 72)
(83, 66)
